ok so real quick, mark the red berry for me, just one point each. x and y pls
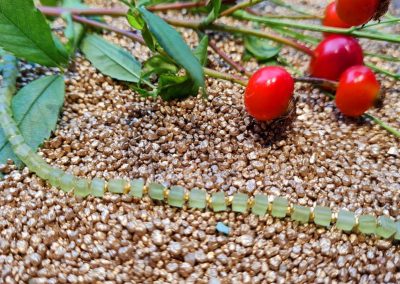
(268, 93)
(334, 55)
(331, 18)
(358, 90)
(356, 12)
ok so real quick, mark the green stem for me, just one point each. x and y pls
(383, 23)
(383, 56)
(383, 71)
(239, 6)
(225, 76)
(383, 124)
(317, 28)
(290, 17)
(290, 7)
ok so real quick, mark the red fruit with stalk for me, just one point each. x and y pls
(268, 93)
(357, 91)
(334, 55)
(331, 18)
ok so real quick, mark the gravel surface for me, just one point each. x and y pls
(108, 131)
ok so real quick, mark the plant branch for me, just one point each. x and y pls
(239, 6)
(224, 76)
(382, 124)
(246, 31)
(318, 82)
(228, 60)
(291, 17)
(317, 28)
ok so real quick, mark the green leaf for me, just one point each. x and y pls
(215, 7)
(172, 87)
(159, 64)
(73, 32)
(171, 41)
(261, 49)
(135, 19)
(35, 108)
(110, 59)
(26, 34)
(49, 2)
(201, 51)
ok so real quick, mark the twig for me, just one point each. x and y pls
(318, 82)
(239, 6)
(291, 17)
(225, 76)
(228, 60)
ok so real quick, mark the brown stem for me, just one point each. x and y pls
(97, 24)
(332, 85)
(228, 60)
(292, 17)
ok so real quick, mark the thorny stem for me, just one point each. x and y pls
(239, 6)
(228, 60)
(317, 28)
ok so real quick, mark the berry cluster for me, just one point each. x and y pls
(336, 58)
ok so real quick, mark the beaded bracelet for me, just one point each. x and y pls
(176, 196)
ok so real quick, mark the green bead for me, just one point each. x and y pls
(117, 185)
(97, 187)
(346, 220)
(176, 196)
(397, 235)
(301, 214)
(55, 177)
(137, 186)
(260, 205)
(67, 182)
(197, 199)
(82, 187)
(156, 191)
(367, 224)
(239, 202)
(322, 216)
(218, 202)
(279, 207)
(386, 227)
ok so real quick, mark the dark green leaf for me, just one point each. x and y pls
(201, 51)
(261, 49)
(135, 19)
(25, 33)
(172, 87)
(215, 6)
(149, 39)
(49, 2)
(159, 64)
(171, 41)
(110, 59)
(35, 108)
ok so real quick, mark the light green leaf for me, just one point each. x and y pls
(26, 34)
(135, 19)
(174, 45)
(35, 108)
(49, 2)
(261, 49)
(215, 6)
(110, 59)
(201, 51)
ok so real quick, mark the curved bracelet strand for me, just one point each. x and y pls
(176, 196)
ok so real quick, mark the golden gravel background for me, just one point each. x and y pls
(108, 131)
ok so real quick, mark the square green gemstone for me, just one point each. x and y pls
(367, 224)
(156, 191)
(301, 214)
(82, 187)
(386, 227)
(67, 182)
(279, 207)
(397, 235)
(239, 202)
(260, 205)
(218, 202)
(117, 185)
(176, 196)
(197, 199)
(322, 216)
(97, 187)
(346, 220)
(137, 186)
